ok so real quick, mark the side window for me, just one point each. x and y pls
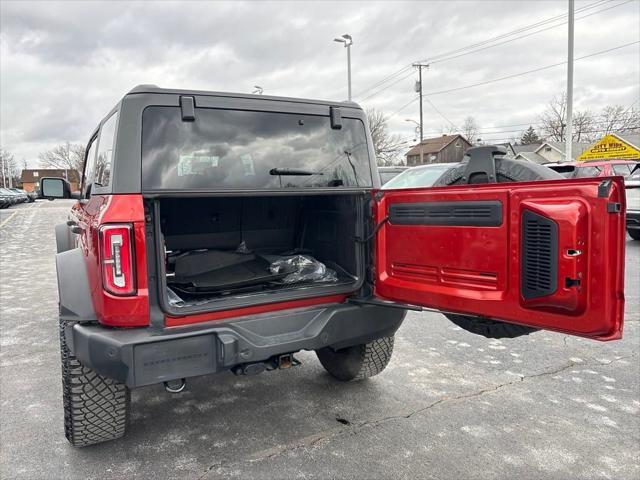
(89, 168)
(105, 152)
(622, 169)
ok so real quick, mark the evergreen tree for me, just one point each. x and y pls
(529, 136)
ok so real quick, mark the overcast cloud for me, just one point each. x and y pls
(65, 64)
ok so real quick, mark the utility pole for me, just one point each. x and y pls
(420, 66)
(569, 133)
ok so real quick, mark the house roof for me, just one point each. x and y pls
(576, 147)
(531, 157)
(436, 144)
(35, 174)
(532, 147)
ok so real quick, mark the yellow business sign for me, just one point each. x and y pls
(608, 148)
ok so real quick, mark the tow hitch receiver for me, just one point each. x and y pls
(278, 362)
(287, 361)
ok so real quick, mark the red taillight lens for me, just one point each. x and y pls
(116, 250)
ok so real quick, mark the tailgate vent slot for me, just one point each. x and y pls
(477, 213)
(539, 256)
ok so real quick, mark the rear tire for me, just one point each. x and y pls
(357, 362)
(96, 408)
(507, 170)
(635, 234)
(489, 328)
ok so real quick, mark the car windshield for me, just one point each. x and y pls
(418, 177)
(385, 176)
(623, 169)
(588, 171)
(237, 149)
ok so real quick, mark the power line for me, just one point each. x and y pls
(546, 67)
(438, 57)
(464, 53)
(386, 87)
(415, 99)
(441, 114)
(388, 77)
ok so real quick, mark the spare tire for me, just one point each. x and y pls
(507, 170)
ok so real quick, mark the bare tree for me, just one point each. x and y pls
(553, 122)
(64, 156)
(583, 127)
(470, 129)
(387, 146)
(8, 169)
(553, 119)
(615, 118)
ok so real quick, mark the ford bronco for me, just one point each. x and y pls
(218, 231)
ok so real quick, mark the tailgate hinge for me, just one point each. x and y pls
(382, 303)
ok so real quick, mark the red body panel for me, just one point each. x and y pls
(115, 311)
(476, 270)
(238, 312)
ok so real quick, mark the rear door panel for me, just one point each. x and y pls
(546, 254)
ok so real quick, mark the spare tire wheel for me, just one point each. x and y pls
(507, 170)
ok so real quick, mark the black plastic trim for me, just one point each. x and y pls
(75, 299)
(141, 356)
(336, 118)
(538, 256)
(480, 213)
(188, 107)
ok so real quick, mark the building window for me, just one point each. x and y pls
(35, 174)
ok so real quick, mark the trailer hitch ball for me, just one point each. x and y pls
(175, 386)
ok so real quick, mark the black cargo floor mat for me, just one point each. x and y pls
(245, 272)
(194, 296)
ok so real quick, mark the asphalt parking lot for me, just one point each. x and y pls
(450, 405)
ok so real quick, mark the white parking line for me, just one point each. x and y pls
(7, 219)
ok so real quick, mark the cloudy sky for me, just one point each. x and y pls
(64, 64)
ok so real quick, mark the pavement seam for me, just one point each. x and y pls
(356, 428)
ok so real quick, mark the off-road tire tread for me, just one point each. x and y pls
(489, 328)
(364, 360)
(96, 408)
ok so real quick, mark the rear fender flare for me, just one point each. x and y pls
(76, 304)
(64, 241)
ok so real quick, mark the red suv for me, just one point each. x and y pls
(220, 231)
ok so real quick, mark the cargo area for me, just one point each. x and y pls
(218, 250)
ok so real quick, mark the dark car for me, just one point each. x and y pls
(226, 232)
(8, 198)
(21, 195)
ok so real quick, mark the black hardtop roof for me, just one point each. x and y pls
(154, 89)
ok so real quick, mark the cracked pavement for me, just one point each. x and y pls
(450, 404)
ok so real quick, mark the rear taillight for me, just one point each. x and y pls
(117, 257)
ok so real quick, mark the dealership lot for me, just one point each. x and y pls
(450, 405)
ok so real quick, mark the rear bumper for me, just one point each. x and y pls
(633, 219)
(141, 356)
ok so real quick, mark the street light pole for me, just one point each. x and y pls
(348, 41)
(419, 130)
(569, 133)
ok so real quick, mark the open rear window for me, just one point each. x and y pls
(238, 149)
